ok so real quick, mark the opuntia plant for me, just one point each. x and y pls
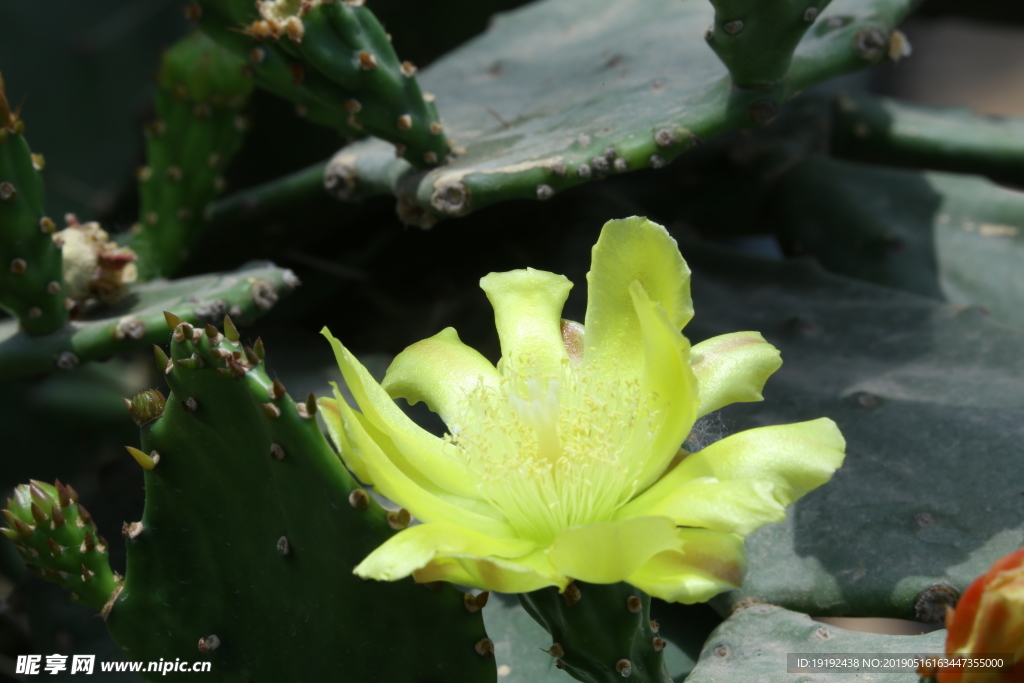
(506, 341)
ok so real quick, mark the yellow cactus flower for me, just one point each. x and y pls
(564, 461)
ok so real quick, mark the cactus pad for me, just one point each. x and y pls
(59, 541)
(563, 92)
(138, 320)
(252, 526)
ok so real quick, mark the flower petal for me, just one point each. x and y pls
(528, 313)
(738, 506)
(667, 376)
(633, 249)
(608, 552)
(390, 481)
(417, 546)
(520, 575)
(336, 429)
(706, 563)
(414, 445)
(732, 368)
(793, 458)
(441, 371)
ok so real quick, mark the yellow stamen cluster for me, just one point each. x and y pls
(552, 453)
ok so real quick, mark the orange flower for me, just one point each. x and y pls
(989, 619)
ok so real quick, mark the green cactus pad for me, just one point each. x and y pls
(138, 320)
(252, 526)
(59, 541)
(948, 236)
(563, 92)
(600, 633)
(754, 644)
(339, 57)
(30, 263)
(201, 90)
(889, 132)
(928, 398)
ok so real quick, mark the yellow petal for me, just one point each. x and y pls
(793, 458)
(633, 249)
(706, 563)
(667, 376)
(732, 368)
(415, 446)
(390, 481)
(608, 552)
(528, 313)
(520, 575)
(336, 429)
(439, 370)
(737, 506)
(417, 546)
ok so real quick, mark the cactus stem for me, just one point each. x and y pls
(230, 331)
(148, 462)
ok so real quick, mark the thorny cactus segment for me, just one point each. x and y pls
(564, 106)
(756, 39)
(100, 332)
(59, 541)
(362, 78)
(565, 460)
(201, 90)
(248, 509)
(600, 634)
(30, 265)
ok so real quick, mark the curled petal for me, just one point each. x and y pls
(793, 458)
(732, 368)
(667, 376)
(336, 430)
(440, 371)
(416, 547)
(520, 575)
(608, 552)
(528, 314)
(414, 446)
(631, 250)
(419, 498)
(705, 564)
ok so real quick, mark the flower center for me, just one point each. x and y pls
(552, 453)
